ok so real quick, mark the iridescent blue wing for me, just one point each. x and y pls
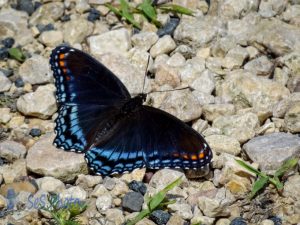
(149, 138)
(86, 93)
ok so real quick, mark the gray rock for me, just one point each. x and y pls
(115, 41)
(279, 37)
(144, 40)
(14, 23)
(131, 76)
(133, 201)
(182, 209)
(199, 30)
(11, 150)
(270, 8)
(47, 13)
(120, 188)
(167, 75)
(237, 9)
(182, 104)
(76, 30)
(88, 181)
(104, 202)
(235, 57)
(74, 192)
(192, 69)
(222, 143)
(5, 115)
(99, 190)
(280, 108)
(82, 6)
(291, 187)
(59, 164)
(217, 204)
(240, 127)
(14, 171)
(292, 14)
(213, 111)
(5, 83)
(36, 70)
(115, 216)
(203, 98)
(271, 150)
(260, 66)
(205, 82)
(50, 184)
(176, 60)
(246, 90)
(164, 177)
(164, 45)
(292, 118)
(34, 104)
(223, 221)
(222, 46)
(51, 38)
(109, 183)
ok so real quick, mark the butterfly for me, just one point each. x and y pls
(117, 133)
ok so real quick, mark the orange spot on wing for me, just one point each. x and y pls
(68, 78)
(61, 56)
(194, 157)
(185, 156)
(64, 70)
(62, 63)
(201, 155)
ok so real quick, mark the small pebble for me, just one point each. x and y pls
(35, 132)
(25, 5)
(133, 201)
(3, 53)
(65, 18)
(169, 28)
(37, 5)
(160, 217)
(7, 72)
(238, 221)
(93, 15)
(276, 220)
(138, 186)
(8, 42)
(43, 28)
(19, 82)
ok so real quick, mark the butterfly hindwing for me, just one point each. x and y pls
(86, 92)
(149, 138)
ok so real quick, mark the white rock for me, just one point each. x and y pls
(36, 70)
(5, 115)
(51, 38)
(164, 45)
(222, 143)
(144, 40)
(74, 192)
(5, 83)
(11, 150)
(115, 41)
(50, 184)
(205, 82)
(104, 202)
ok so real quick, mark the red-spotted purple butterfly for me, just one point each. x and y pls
(98, 117)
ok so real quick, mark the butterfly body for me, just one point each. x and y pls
(116, 132)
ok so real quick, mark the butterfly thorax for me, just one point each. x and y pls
(133, 104)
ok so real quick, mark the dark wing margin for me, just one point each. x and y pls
(149, 138)
(85, 91)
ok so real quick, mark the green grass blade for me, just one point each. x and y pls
(258, 185)
(177, 9)
(17, 54)
(286, 166)
(160, 196)
(149, 11)
(250, 168)
(139, 217)
(113, 9)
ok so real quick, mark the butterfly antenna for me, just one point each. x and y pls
(178, 89)
(146, 73)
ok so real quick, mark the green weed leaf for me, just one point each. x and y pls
(177, 9)
(17, 54)
(258, 185)
(286, 166)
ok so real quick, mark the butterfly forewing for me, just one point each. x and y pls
(86, 93)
